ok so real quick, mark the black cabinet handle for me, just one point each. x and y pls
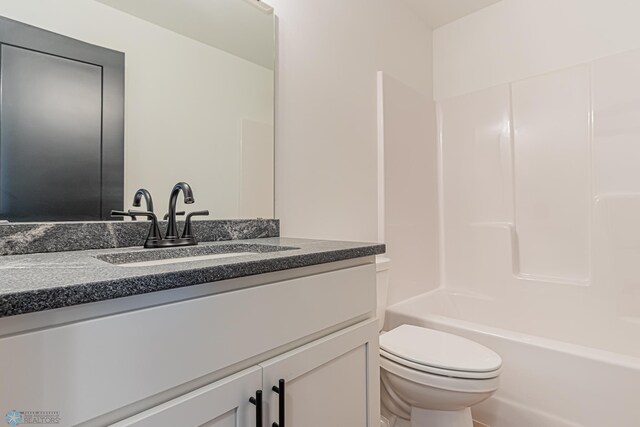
(258, 402)
(280, 390)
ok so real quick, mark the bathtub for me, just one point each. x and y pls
(552, 376)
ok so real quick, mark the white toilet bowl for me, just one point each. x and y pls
(433, 378)
(430, 377)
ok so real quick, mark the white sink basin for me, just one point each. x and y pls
(185, 259)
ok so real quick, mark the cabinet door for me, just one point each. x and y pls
(329, 382)
(222, 404)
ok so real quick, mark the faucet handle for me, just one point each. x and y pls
(187, 233)
(154, 231)
(166, 216)
(123, 214)
(148, 214)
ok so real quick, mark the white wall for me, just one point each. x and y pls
(410, 188)
(256, 192)
(184, 100)
(329, 53)
(516, 39)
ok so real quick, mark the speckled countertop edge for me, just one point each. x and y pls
(45, 281)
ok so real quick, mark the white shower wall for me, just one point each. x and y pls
(541, 199)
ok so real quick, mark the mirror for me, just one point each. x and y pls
(198, 105)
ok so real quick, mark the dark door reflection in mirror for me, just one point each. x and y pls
(50, 159)
(52, 134)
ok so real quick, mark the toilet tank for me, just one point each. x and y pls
(383, 265)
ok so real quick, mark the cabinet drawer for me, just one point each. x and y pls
(90, 368)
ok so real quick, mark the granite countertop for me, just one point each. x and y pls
(44, 281)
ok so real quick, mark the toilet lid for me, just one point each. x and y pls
(439, 349)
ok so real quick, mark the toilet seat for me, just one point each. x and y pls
(460, 385)
(439, 353)
(438, 371)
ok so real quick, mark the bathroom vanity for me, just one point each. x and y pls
(245, 329)
(283, 336)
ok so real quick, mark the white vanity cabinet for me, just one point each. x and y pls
(198, 361)
(326, 383)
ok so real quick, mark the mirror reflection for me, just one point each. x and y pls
(104, 97)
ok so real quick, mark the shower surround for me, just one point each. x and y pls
(540, 241)
(541, 200)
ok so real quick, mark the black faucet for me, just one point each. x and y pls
(137, 198)
(172, 229)
(154, 237)
(179, 213)
(171, 239)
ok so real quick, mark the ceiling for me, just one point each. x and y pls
(234, 26)
(440, 12)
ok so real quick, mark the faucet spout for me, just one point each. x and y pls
(172, 229)
(137, 198)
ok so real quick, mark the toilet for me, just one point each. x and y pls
(431, 378)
